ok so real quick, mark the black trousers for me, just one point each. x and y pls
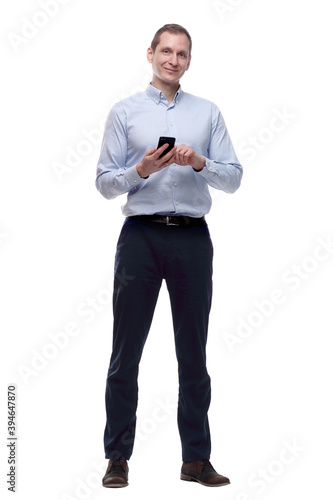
(147, 253)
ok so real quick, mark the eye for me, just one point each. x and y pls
(165, 51)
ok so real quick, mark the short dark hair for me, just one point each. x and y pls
(171, 28)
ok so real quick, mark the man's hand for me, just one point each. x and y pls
(151, 162)
(185, 155)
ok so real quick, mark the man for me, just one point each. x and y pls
(164, 236)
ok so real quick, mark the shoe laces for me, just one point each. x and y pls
(117, 466)
(207, 465)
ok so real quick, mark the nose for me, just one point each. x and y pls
(173, 59)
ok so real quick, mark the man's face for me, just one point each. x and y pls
(171, 58)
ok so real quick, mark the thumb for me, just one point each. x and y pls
(150, 152)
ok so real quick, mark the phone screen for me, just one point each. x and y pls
(166, 140)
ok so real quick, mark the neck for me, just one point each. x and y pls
(168, 89)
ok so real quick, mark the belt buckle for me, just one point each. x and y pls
(168, 223)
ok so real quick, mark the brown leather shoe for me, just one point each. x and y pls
(116, 475)
(202, 472)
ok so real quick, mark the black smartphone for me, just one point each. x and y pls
(166, 140)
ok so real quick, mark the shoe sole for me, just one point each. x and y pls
(184, 477)
(115, 485)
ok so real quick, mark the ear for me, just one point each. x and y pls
(150, 54)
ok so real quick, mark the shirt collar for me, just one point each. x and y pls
(157, 95)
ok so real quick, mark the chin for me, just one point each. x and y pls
(172, 77)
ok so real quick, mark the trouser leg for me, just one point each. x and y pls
(189, 281)
(136, 287)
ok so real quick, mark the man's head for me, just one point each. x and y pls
(176, 29)
(170, 53)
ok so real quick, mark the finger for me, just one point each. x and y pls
(170, 161)
(176, 158)
(185, 154)
(169, 155)
(150, 152)
(180, 156)
(166, 160)
(160, 150)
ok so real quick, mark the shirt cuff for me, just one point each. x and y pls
(208, 170)
(132, 177)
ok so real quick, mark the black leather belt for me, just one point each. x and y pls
(171, 220)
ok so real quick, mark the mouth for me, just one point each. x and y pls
(171, 70)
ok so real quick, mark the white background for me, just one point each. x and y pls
(271, 387)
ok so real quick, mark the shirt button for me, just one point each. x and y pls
(171, 124)
(175, 184)
(176, 202)
(135, 180)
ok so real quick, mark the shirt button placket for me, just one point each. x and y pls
(171, 122)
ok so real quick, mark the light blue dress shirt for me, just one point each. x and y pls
(135, 124)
